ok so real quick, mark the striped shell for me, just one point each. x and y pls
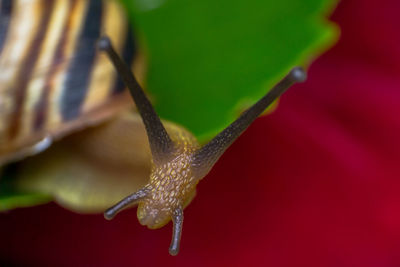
(53, 80)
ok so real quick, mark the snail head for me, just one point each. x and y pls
(179, 163)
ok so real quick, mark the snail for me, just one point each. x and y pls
(60, 83)
(179, 163)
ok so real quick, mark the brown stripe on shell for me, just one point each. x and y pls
(42, 107)
(54, 120)
(19, 38)
(27, 68)
(43, 67)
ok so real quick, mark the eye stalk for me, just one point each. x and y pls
(207, 156)
(179, 162)
(160, 143)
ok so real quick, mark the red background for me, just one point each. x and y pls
(317, 183)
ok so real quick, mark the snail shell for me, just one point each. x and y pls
(53, 80)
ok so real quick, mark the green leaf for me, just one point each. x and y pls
(13, 200)
(11, 197)
(210, 59)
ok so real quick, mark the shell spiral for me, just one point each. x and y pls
(53, 81)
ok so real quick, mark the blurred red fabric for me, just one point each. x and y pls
(317, 183)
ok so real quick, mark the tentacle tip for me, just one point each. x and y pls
(173, 251)
(104, 43)
(298, 74)
(109, 215)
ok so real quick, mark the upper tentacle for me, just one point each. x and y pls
(208, 155)
(161, 144)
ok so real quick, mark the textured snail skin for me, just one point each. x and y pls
(172, 184)
(178, 161)
(171, 187)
